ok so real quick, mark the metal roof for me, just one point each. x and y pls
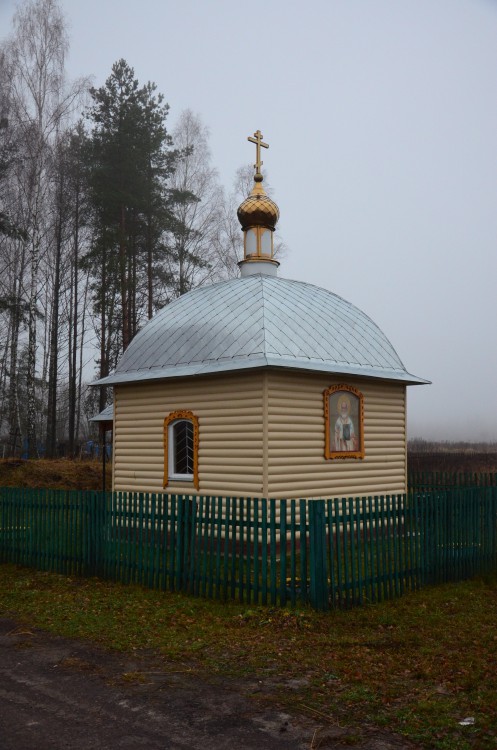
(259, 321)
(106, 415)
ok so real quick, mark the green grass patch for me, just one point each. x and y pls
(417, 665)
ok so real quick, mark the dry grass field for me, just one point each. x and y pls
(87, 475)
(467, 461)
(57, 474)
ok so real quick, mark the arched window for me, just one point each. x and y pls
(181, 448)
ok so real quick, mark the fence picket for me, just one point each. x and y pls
(226, 549)
(241, 546)
(272, 550)
(358, 530)
(283, 516)
(304, 541)
(212, 535)
(293, 553)
(256, 587)
(233, 532)
(218, 525)
(264, 550)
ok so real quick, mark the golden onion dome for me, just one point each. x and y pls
(258, 209)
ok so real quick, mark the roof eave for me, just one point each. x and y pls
(209, 368)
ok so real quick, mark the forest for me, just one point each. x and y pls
(106, 215)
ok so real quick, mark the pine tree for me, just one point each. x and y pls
(130, 161)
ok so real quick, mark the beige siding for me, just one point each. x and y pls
(296, 463)
(229, 409)
(261, 434)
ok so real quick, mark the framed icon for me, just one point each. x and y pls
(344, 422)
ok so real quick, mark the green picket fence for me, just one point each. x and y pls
(52, 529)
(326, 553)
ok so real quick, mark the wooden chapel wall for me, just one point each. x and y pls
(295, 460)
(229, 408)
(261, 435)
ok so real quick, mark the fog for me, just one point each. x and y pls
(382, 123)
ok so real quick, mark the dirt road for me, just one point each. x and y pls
(57, 693)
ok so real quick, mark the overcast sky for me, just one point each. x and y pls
(382, 122)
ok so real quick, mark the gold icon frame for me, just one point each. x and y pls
(356, 414)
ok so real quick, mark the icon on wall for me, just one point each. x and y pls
(344, 419)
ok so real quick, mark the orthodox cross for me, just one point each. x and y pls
(257, 139)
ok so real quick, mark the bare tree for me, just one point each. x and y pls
(197, 203)
(40, 104)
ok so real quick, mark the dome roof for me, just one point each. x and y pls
(259, 321)
(258, 209)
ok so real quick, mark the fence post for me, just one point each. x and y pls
(180, 539)
(185, 547)
(95, 504)
(103, 508)
(319, 594)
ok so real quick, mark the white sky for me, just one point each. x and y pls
(382, 122)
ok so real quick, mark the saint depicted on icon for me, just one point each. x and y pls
(345, 437)
(344, 422)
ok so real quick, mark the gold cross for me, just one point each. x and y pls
(257, 139)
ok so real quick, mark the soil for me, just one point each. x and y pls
(57, 693)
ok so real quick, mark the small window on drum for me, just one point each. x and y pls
(266, 242)
(250, 242)
(181, 448)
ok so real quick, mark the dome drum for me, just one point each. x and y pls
(258, 243)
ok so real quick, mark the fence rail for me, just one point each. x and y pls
(329, 553)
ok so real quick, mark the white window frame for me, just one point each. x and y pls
(171, 448)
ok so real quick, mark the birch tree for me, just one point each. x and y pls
(196, 204)
(41, 104)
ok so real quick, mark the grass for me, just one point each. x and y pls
(417, 666)
(61, 473)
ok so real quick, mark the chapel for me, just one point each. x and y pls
(260, 386)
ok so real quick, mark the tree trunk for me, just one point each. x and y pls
(81, 348)
(103, 333)
(123, 280)
(51, 447)
(31, 362)
(150, 286)
(13, 379)
(73, 331)
(14, 422)
(3, 377)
